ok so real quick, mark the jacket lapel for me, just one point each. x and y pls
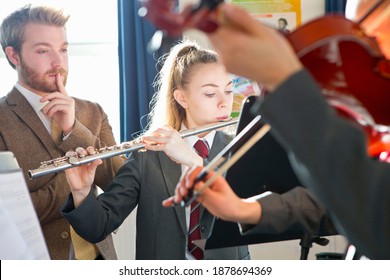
(172, 173)
(221, 140)
(26, 113)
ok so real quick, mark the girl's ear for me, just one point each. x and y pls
(180, 97)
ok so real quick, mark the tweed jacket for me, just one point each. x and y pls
(23, 133)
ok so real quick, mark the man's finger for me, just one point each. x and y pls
(60, 84)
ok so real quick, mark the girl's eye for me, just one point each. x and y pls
(228, 92)
(210, 94)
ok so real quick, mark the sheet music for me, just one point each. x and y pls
(13, 246)
(20, 232)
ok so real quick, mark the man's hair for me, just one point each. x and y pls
(13, 26)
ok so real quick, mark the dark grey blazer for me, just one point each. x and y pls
(295, 209)
(23, 133)
(146, 180)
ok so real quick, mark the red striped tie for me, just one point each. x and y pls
(194, 230)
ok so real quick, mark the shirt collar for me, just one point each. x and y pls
(191, 140)
(31, 97)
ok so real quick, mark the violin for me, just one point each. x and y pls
(335, 51)
(335, 57)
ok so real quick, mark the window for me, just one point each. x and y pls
(93, 52)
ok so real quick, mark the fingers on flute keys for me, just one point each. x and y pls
(80, 152)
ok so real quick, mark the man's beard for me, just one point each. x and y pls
(40, 82)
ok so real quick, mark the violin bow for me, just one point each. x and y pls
(245, 140)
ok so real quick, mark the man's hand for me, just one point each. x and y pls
(80, 178)
(61, 107)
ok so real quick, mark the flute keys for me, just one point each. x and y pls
(73, 160)
(91, 150)
(81, 152)
(73, 157)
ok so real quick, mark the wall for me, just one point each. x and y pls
(310, 10)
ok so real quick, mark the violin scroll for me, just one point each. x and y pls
(165, 16)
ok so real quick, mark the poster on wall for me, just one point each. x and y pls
(284, 15)
(242, 88)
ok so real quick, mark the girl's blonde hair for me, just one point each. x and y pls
(175, 74)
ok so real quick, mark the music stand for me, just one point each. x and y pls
(252, 175)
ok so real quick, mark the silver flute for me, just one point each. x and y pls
(72, 159)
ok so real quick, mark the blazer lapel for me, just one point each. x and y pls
(172, 173)
(26, 113)
(221, 140)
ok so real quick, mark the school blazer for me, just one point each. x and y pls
(145, 181)
(23, 133)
